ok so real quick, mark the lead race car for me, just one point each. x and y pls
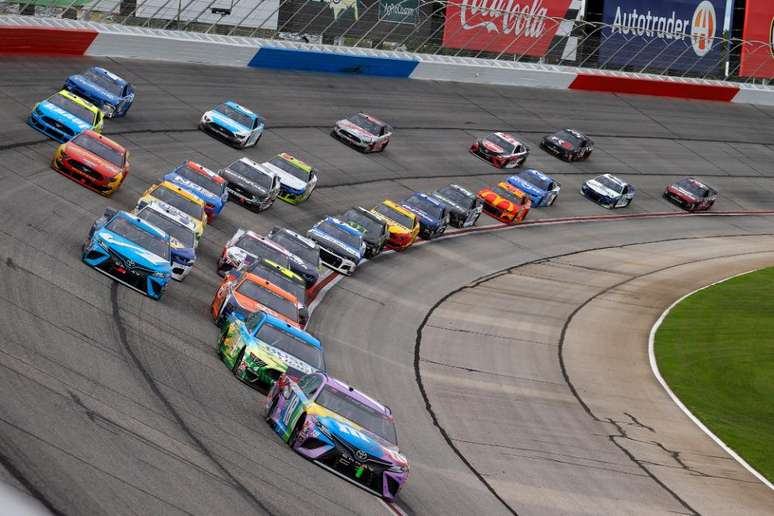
(568, 144)
(234, 124)
(608, 191)
(501, 150)
(112, 94)
(541, 189)
(691, 194)
(363, 132)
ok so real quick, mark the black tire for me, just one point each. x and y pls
(385, 146)
(238, 361)
(273, 405)
(296, 429)
(588, 153)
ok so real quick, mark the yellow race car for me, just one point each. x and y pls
(402, 225)
(181, 199)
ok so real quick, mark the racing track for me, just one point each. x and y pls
(115, 403)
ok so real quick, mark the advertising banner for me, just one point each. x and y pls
(524, 27)
(669, 34)
(399, 11)
(758, 54)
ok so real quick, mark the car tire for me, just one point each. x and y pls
(270, 410)
(238, 361)
(296, 429)
(551, 202)
(588, 153)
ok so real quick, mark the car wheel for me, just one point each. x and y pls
(551, 201)
(271, 408)
(238, 360)
(588, 153)
(296, 430)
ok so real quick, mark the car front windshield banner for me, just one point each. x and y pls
(505, 145)
(103, 82)
(291, 169)
(200, 179)
(609, 183)
(358, 412)
(370, 225)
(236, 116)
(73, 108)
(93, 145)
(282, 340)
(403, 220)
(544, 183)
(268, 299)
(507, 194)
(153, 243)
(179, 232)
(300, 249)
(369, 125)
(692, 186)
(173, 198)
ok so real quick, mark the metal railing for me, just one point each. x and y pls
(461, 28)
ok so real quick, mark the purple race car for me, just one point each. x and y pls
(341, 429)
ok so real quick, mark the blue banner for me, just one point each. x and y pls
(665, 34)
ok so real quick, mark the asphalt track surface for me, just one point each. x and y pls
(114, 403)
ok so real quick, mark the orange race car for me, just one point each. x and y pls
(94, 161)
(505, 203)
(247, 294)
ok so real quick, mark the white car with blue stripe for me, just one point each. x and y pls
(234, 124)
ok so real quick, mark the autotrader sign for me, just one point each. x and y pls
(758, 52)
(669, 34)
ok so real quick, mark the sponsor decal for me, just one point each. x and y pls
(361, 455)
(399, 11)
(758, 51)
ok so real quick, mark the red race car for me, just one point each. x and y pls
(94, 161)
(691, 194)
(505, 203)
(501, 150)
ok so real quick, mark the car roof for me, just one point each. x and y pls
(294, 161)
(300, 238)
(426, 197)
(347, 389)
(296, 332)
(201, 169)
(180, 191)
(269, 286)
(341, 225)
(75, 98)
(400, 209)
(110, 75)
(365, 213)
(265, 240)
(103, 139)
(170, 212)
(508, 138)
(508, 186)
(240, 108)
(147, 226)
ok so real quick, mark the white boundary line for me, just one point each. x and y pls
(657, 373)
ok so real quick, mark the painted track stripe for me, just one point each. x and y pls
(653, 87)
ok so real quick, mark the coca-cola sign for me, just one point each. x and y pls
(510, 26)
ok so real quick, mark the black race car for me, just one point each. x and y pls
(501, 150)
(250, 184)
(691, 194)
(373, 228)
(464, 207)
(568, 144)
(306, 250)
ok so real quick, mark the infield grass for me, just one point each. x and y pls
(715, 349)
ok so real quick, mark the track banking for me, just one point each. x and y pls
(649, 25)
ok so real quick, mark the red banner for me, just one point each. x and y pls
(758, 55)
(524, 27)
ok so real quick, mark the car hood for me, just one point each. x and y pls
(192, 187)
(90, 160)
(559, 142)
(324, 238)
(131, 251)
(494, 199)
(491, 146)
(357, 437)
(60, 115)
(222, 120)
(683, 192)
(242, 181)
(354, 128)
(602, 189)
(286, 178)
(94, 89)
(526, 187)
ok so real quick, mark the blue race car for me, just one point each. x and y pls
(234, 124)
(203, 183)
(341, 246)
(63, 116)
(540, 188)
(112, 94)
(432, 214)
(131, 251)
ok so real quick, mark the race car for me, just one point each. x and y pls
(203, 183)
(112, 94)
(363, 132)
(297, 179)
(261, 348)
(402, 225)
(94, 161)
(246, 246)
(304, 249)
(501, 150)
(373, 228)
(568, 144)
(341, 246)
(541, 189)
(285, 279)
(234, 124)
(464, 207)
(432, 215)
(181, 231)
(181, 199)
(608, 191)
(129, 250)
(339, 428)
(505, 202)
(63, 116)
(247, 294)
(691, 194)
(250, 184)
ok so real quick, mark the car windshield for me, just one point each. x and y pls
(200, 179)
(369, 125)
(307, 254)
(507, 194)
(609, 183)
(269, 299)
(286, 283)
(392, 214)
(568, 137)
(179, 232)
(500, 142)
(236, 116)
(73, 108)
(538, 180)
(93, 145)
(290, 344)
(693, 187)
(423, 204)
(262, 250)
(455, 196)
(173, 198)
(123, 227)
(251, 174)
(291, 169)
(367, 224)
(104, 82)
(358, 412)
(342, 235)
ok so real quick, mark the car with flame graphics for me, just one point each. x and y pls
(505, 203)
(463, 205)
(691, 194)
(94, 161)
(341, 429)
(568, 145)
(112, 94)
(363, 132)
(501, 150)
(247, 294)
(402, 225)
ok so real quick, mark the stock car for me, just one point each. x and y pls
(94, 161)
(250, 184)
(297, 179)
(247, 294)
(339, 428)
(541, 189)
(112, 94)
(402, 225)
(246, 246)
(203, 183)
(691, 194)
(341, 246)
(181, 199)
(285, 279)
(363, 132)
(432, 215)
(608, 191)
(373, 228)
(181, 231)
(262, 347)
(129, 250)
(501, 150)
(568, 145)
(234, 124)
(62, 116)
(306, 251)
(505, 203)
(464, 207)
